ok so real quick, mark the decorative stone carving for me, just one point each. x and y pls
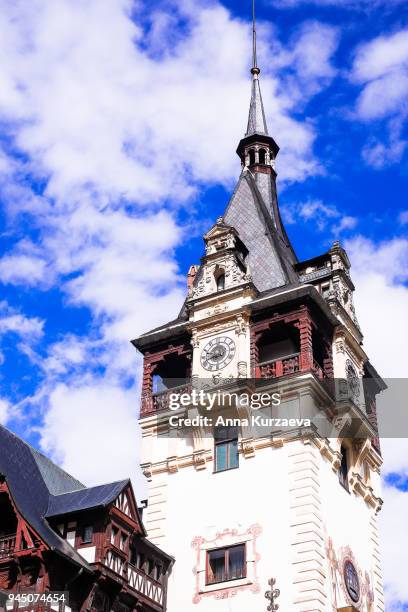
(199, 460)
(242, 369)
(241, 326)
(224, 255)
(248, 448)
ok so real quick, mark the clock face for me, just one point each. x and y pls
(352, 581)
(218, 353)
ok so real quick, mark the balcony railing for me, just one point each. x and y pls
(280, 367)
(7, 545)
(145, 584)
(136, 579)
(155, 402)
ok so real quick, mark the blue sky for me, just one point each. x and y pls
(117, 151)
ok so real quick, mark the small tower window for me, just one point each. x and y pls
(221, 282)
(251, 157)
(262, 156)
(344, 468)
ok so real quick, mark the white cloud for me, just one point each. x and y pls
(394, 541)
(321, 214)
(121, 132)
(123, 127)
(4, 411)
(386, 259)
(379, 271)
(22, 269)
(381, 69)
(92, 430)
(309, 56)
(114, 121)
(30, 328)
(403, 217)
(346, 4)
(381, 56)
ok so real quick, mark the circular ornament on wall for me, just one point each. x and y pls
(351, 581)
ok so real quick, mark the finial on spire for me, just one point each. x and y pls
(254, 70)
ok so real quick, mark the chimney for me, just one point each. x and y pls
(191, 276)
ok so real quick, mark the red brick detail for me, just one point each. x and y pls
(262, 169)
(306, 345)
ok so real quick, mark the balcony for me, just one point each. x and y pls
(160, 401)
(136, 579)
(145, 585)
(280, 367)
(7, 545)
(292, 364)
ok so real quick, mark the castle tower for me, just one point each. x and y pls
(295, 495)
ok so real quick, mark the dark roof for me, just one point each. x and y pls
(41, 489)
(172, 329)
(57, 480)
(85, 499)
(253, 212)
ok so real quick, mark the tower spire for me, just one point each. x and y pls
(254, 58)
(256, 118)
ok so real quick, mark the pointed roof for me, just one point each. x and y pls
(256, 117)
(270, 257)
(85, 499)
(41, 490)
(28, 475)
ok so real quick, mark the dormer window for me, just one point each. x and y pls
(221, 282)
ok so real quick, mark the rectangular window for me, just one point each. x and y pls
(157, 572)
(226, 448)
(226, 564)
(343, 470)
(114, 534)
(87, 534)
(140, 561)
(122, 541)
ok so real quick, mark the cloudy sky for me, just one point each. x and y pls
(119, 125)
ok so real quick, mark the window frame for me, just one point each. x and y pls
(226, 550)
(228, 442)
(84, 539)
(344, 477)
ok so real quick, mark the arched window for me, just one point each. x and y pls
(262, 156)
(220, 281)
(251, 157)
